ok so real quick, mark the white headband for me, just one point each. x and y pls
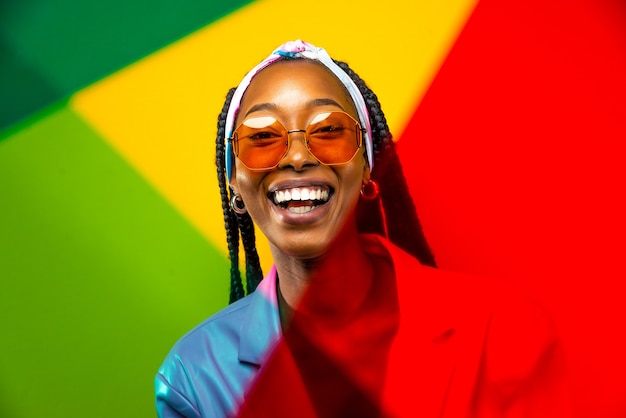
(299, 49)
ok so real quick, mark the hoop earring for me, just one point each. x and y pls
(237, 204)
(369, 191)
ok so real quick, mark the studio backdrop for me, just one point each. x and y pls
(510, 121)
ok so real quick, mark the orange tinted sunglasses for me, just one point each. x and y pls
(333, 138)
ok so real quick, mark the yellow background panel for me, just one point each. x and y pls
(160, 113)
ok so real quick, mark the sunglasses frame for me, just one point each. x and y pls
(359, 131)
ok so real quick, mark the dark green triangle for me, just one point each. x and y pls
(52, 48)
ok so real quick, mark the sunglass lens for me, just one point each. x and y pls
(334, 137)
(260, 143)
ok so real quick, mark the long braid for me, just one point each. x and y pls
(403, 227)
(230, 220)
(254, 274)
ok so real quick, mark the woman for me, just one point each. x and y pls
(352, 309)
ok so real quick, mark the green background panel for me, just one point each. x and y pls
(49, 49)
(99, 276)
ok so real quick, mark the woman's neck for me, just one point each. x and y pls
(333, 285)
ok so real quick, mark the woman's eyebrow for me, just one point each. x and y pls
(261, 106)
(323, 102)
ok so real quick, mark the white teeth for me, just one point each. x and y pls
(300, 209)
(301, 194)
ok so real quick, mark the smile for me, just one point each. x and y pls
(301, 199)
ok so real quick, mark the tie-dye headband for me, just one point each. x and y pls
(299, 49)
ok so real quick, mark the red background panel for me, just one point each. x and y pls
(515, 158)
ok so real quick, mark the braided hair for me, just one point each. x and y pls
(403, 228)
(235, 224)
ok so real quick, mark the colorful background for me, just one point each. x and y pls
(510, 117)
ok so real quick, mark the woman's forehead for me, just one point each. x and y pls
(301, 81)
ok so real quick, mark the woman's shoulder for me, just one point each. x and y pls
(208, 368)
(452, 288)
(216, 334)
(252, 318)
(187, 382)
(223, 319)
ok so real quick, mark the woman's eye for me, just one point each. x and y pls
(262, 135)
(330, 128)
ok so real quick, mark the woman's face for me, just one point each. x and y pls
(293, 92)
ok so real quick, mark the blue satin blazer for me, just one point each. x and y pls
(221, 356)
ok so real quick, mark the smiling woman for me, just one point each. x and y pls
(292, 91)
(353, 307)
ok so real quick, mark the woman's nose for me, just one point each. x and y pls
(298, 155)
